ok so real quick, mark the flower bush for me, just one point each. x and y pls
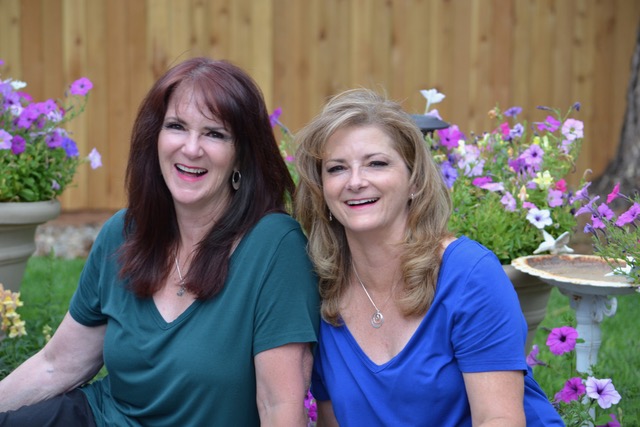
(616, 238)
(38, 158)
(508, 186)
(583, 398)
(11, 321)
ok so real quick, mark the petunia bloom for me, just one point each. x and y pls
(509, 202)
(614, 193)
(613, 423)
(81, 87)
(513, 111)
(70, 147)
(275, 116)
(5, 140)
(573, 129)
(18, 144)
(450, 136)
(603, 391)
(629, 216)
(562, 340)
(572, 390)
(95, 159)
(540, 218)
(532, 358)
(550, 124)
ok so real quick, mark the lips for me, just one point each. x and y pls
(362, 201)
(190, 171)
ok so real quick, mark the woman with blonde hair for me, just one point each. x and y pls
(419, 327)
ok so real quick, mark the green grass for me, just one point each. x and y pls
(49, 284)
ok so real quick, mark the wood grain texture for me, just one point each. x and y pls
(479, 53)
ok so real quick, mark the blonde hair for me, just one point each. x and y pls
(429, 210)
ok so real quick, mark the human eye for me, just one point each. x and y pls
(173, 125)
(334, 168)
(378, 163)
(218, 134)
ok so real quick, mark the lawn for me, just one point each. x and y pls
(49, 284)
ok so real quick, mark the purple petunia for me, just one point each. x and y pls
(562, 340)
(613, 423)
(572, 390)
(540, 218)
(533, 156)
(509, 202)
(513, 111)
(516, 131)
(629, 216)
(81, 87)
(18, 144)
(603, 391)
(70, 147)
(573, 129)
(275, 116)
(605, 211)
(449, 173)
(550, 124)
(450, 137)
(554, 198)
(532, 357)
(5, 140)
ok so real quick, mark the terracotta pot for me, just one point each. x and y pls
(18, 223)
(533, 295)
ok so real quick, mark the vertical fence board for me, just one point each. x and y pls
(477, 52)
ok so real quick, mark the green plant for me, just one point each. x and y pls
(616, 238)
(38, 159)
(508, 185)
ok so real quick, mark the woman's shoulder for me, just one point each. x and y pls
(467, 252)
(276, 223)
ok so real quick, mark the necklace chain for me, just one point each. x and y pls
(377, 319)
(182, 289)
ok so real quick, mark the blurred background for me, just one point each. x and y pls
(479, 53)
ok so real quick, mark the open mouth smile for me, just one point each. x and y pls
(362, 202)
(190, 171)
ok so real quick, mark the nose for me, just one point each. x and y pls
(191, 146)
(356, 179)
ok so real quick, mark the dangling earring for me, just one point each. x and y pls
(330, 216)
(412, 196)
(235, 179)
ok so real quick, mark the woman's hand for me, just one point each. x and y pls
(71, 358)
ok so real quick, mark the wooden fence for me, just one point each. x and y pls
(478, 52)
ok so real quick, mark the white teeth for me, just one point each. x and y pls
(360, 202)
(186, 169)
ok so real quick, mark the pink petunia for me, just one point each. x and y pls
(561, 185)
(614, 193)
(483, 180)
(573, 129)
(572, 390)
(550, 123)
(629, 216)
(613, 423)
(532, 358)
(450, 137)
(562, 340)
(81, 87)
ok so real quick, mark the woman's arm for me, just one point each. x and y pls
(283, 375)
(326, 417)
(496, 398)
(71, 358)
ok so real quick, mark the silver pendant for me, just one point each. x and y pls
(181, 291)
(377, 319)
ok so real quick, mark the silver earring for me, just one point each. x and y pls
(235, 180)
(412, 196)
(330, 216)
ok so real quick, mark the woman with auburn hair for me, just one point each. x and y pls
(418, 328)
(199, 298)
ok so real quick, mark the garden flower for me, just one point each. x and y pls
(572, 390)
(532, 357)
(603, 391)
(38, 159)
(614, 193)
(432, 96)
(539, 218)
(550, 124)
(513, 111)
(613, 423)
(562, 340)
(572, 129)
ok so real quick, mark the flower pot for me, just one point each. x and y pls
(18, 223)
(533, 295)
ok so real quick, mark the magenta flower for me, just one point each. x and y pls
(613, 423)
(532, 357)
(504, 129)
(603, 391)
(550, 124)
(629, 216)
(275, 116)
(573, 129)
(18, 144)
(562, 340)
(311, 406)
(480, 181)
(561, 185)
(614, 193)
(81, 87)
(572, 390)
(450, 137)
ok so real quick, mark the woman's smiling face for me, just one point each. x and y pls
(196, 154)
(365, 180)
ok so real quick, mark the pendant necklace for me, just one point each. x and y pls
(181, 290)
(377, 319)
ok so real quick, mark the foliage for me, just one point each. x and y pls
(38, 159)
(287, 143)
(508, 185)
(616, 238)
(583, 397)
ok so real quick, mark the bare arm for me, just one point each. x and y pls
(326, 417)
(283, 375)
(496, 398)
(72, 357)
